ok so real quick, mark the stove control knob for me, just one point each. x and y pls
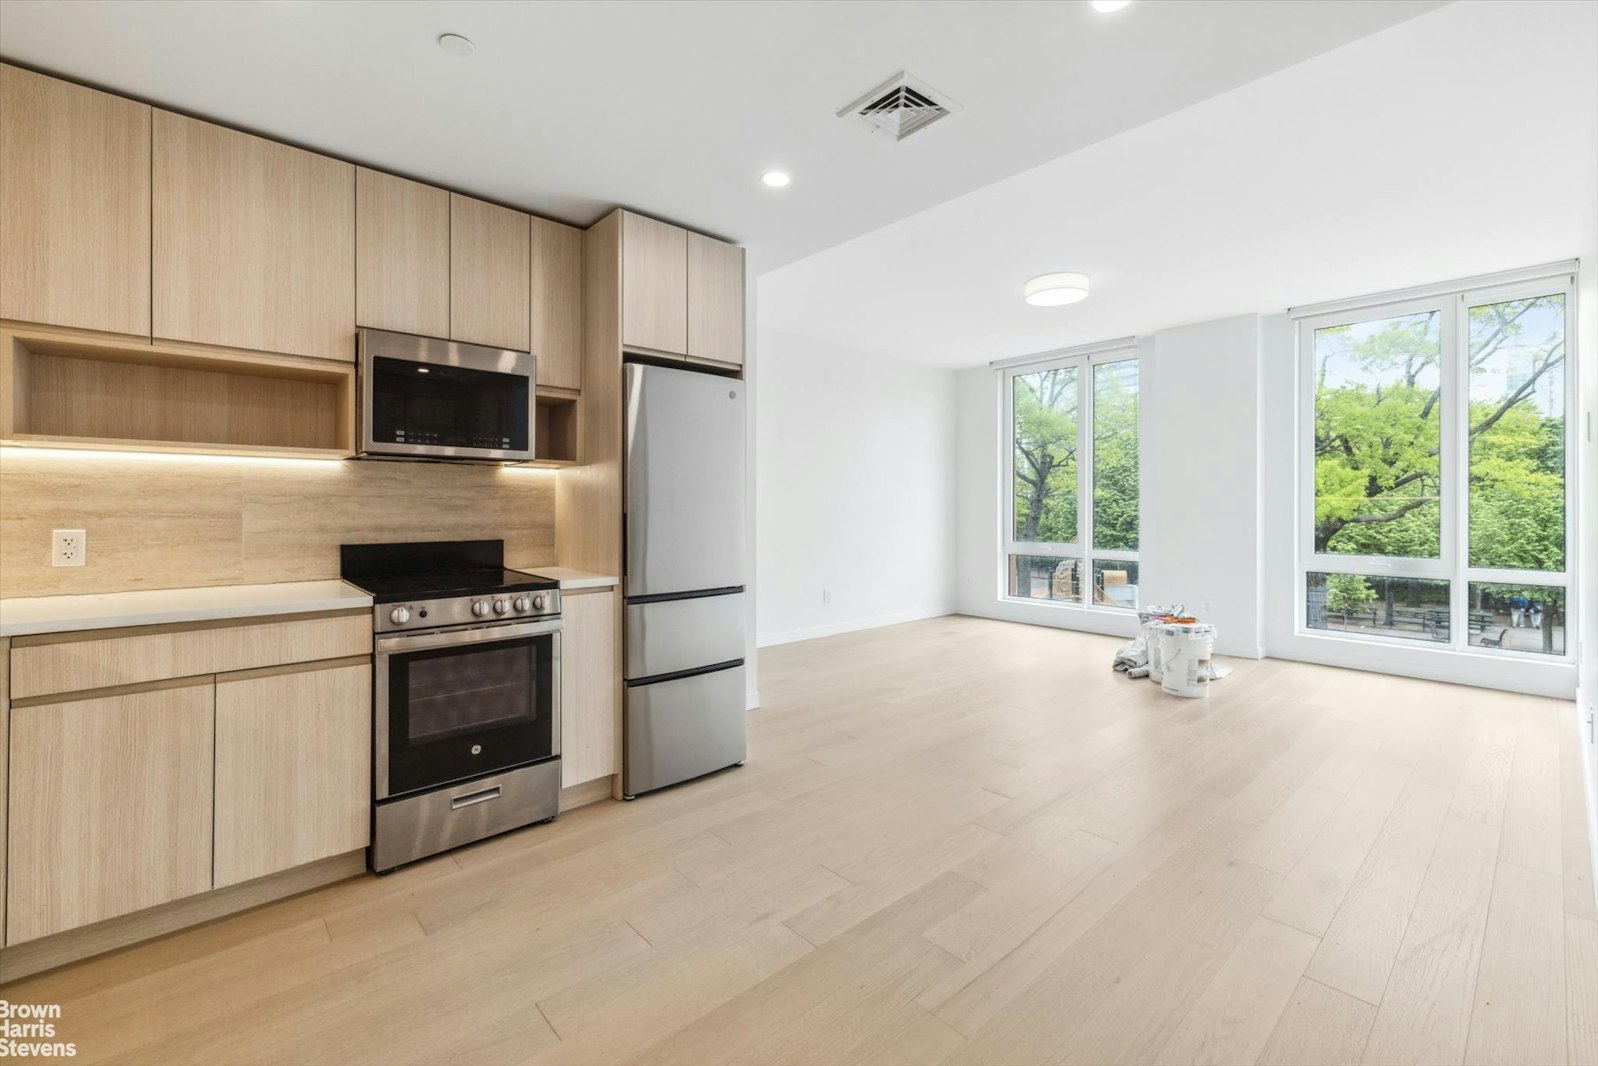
(501, 606)
(540, 601)
(400, 615)
(523, 604)
(480, 608)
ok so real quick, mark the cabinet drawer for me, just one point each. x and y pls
(71, 662)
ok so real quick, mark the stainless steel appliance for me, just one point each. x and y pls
(425, 398)
(466, 695)
(684, 581)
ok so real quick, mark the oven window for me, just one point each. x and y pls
(461, 711)
(448, 406)
(455, 694)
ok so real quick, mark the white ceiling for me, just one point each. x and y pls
(1461, 142)
(675, 109)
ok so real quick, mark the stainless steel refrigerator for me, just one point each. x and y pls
(684, 577)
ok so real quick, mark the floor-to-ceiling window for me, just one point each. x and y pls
(1071, 432)
(1434, 460)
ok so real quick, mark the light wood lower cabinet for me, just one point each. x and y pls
(588, 686)
(293, 767)
(69, 662)
(110, 806)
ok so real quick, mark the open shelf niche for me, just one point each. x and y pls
(555, 428)
(63, 388)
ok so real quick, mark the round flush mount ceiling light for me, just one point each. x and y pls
(456, 45)
(1053, 290)
(1107, 6)
(775, 179)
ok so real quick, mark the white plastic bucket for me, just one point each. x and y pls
(1185, 650)
(1156, 660)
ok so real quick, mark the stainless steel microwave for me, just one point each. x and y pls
(427, 398)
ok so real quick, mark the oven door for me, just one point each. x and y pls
(425, 398)
(456, 705)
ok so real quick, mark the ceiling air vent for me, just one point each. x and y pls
(901, 106)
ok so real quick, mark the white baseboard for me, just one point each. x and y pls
(795, 635)
(751, 699)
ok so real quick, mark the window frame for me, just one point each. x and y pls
(1453, 561)
(1082, 548)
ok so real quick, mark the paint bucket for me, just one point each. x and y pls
(1185, 651)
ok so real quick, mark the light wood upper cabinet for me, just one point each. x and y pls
(253, 242)
(74, 205)
(715, 300)
(654, 285)
(557, 304)
(489, 274)
(110, 807)
(588, 689)
(293, 768)
(401, 254)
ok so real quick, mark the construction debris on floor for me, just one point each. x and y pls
(1169, 637)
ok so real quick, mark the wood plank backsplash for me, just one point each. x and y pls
(175, 521)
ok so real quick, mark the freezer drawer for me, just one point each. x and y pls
(685, 481)
(666, 636)
(678, 730)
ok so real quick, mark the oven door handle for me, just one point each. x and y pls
(387, 645)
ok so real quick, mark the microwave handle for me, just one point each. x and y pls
(388, 645)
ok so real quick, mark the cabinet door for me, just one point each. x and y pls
(488, 274)
(110, 807)
(293, 768)
(558, 303)
(715, 300)
(654, 285)
(74, 205)
(588, 687)
(401, 254)
(254, 242)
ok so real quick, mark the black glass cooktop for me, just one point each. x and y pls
(436, 585)
(433, 570)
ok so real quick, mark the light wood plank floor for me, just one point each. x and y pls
(957, 841)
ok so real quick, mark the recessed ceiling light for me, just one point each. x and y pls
(456, 45)
(1052, 290)
(1108, 6)
(776, 179)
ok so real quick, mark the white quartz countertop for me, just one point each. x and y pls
(572, 579)
(110, 610)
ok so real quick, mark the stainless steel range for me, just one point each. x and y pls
(466, 695)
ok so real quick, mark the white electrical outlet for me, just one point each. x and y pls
(69, 547)
(826, 595)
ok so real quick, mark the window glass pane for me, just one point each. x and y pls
(1115, 455)
(1115, 583)
(1517, 434)
(1517, 617)
(1045, 456)
(1416, 608)
(1046, 577)
(1378, 411)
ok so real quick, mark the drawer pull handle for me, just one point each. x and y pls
(457, 802)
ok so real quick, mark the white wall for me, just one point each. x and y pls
(1201, 477)
(855, 490)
